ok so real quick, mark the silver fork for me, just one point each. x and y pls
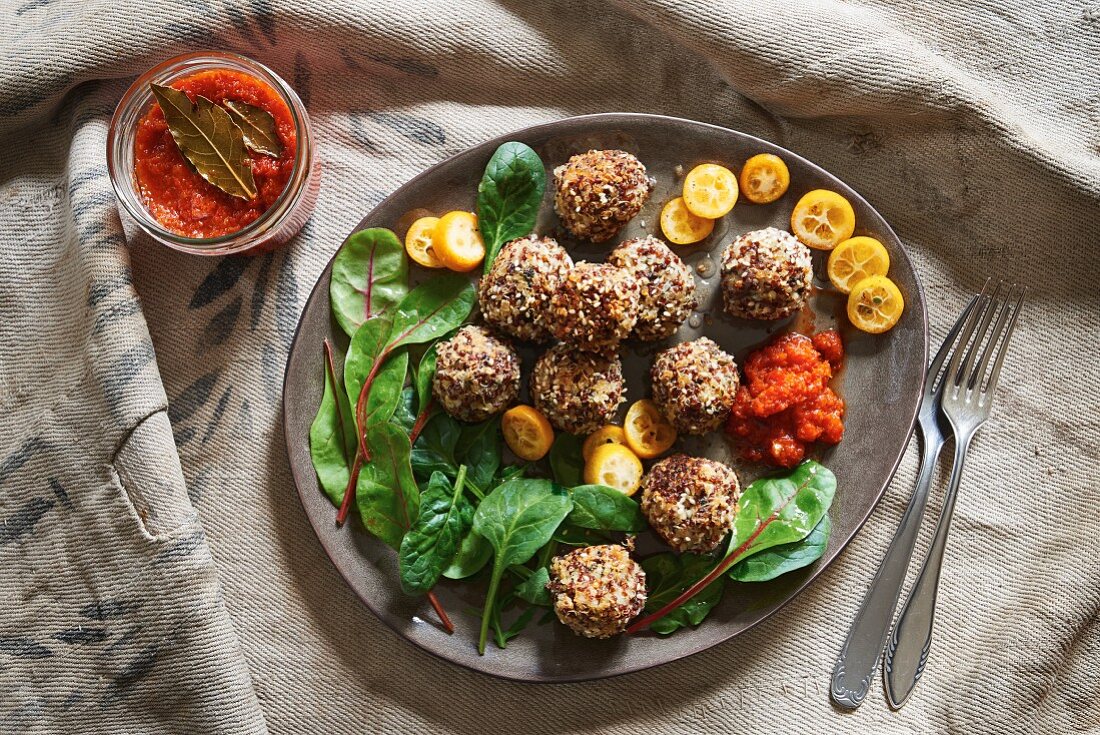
(862, 650)
(966, 401)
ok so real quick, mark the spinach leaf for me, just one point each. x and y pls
(566, 460)
(332, 435)
(369, 275)
(434, 450)
(605, 509)
(425, 372)
(571, 534)
(445, 517)
(668, 575)
(509, 196)
(772, 511)
(386, 493)
(403, 415)
(473, 554)
(479, 448)
(533, 589)
(431, 310)
(385, 391)
(784, 558)
(517, 519)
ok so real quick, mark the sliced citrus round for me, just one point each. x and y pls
(710, 190)
(680, 226)
(855, 259)
(875, 304)
(457, 242)
(823, 219)
(527, 432)
(418, 242)
(615, 466)
(648, 432)
(609, 434)
(764, 178)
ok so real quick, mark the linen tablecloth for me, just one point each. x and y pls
(157, 573)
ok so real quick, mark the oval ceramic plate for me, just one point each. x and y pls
(881, 383)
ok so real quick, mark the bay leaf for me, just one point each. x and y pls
(209, 139)
(258, 127)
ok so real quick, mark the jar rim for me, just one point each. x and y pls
(123, 181)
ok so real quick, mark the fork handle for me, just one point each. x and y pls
(867, 637)
(907, 651)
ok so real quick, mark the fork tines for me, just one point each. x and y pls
(967, 375)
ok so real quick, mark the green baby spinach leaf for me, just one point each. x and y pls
(566, 460)
(509, 196)
(473, 554)
(369, 276)
(667, 576)
(771, 563)
(332, 435)
(517, 519)
(386, 493)
(479, 448)
(445, 517)
(404, 417)
(386, 389)
(775, 510)
(425, 373)
(533, 589)
(571, 534)
(434, 450)
(605, 509)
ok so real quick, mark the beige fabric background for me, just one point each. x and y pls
(972, 127)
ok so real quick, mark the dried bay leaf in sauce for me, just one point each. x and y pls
(209, 139)
(258, 127)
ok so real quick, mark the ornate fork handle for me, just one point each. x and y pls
(911, 640)
(860, 654)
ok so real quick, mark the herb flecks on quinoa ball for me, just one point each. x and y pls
(476, 375)
(597, 589)
(766, 274)
(514, 295)
(690, 502)
(694, 384)
(600, 191)
(595, 307)
(666, 287)
(578, 392)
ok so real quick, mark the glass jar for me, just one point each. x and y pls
(277, 224)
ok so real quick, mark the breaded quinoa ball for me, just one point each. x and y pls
(690, 502)
(595, 307)
(600, 191)
(766, 274)
(666, 287)
(476, 374)
(514, 295)
(694, 384)
(578, 392)
(597, 589)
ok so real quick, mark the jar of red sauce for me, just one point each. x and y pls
(165, 196)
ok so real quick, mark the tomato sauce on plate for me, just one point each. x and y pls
(176, 195)
(785, 402)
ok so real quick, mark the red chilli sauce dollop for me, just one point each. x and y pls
(176, 195)
(785, 402)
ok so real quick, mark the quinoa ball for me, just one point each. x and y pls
(766, 274)
(690, 501)
(476, 374)
(600, 191)
(595, 307)
(666, 287)
(514, 295)
(578, 392)
(597, 589)
(694, 384)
